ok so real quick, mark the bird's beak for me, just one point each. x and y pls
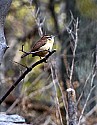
(53, 36)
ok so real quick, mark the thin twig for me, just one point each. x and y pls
(39, 20)
(92, 73)
(91, 111)
(92, 88)
(32, 94)
(56, 96)
(34, 82)
(20, 64)
(14, 104)
(76, 41)
(41, 90)
(83, 89)
(62, 92)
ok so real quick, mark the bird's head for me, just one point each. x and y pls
(50, 39)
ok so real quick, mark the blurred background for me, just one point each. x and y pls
(34, 97)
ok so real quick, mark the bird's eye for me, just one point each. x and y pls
(49, 38)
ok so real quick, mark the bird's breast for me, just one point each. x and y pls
(47, 46)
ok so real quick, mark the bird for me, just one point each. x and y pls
(41, 47)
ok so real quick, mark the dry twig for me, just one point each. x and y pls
(54, 78)
(72, 30)
(91, 89)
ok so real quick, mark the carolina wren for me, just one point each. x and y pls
(41, 47)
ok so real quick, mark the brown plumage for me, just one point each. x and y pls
(42, 46)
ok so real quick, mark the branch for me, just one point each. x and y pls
(90, 91)
(72, 30)
(55, 82)
(24, 74)
(86, 82)
(74, 35)
(39, 19)
(72, 108)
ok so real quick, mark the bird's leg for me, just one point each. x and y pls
(46, 54)
(49, 50)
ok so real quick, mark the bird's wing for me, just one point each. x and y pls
(39, 44)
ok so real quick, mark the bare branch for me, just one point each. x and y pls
(91, 74)
(61, 90)
(75, 46)
(91, 89)
(39, 91)
(72, 108)
(72, 30)
(39, 19)
(25, 73)
(54, 78)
